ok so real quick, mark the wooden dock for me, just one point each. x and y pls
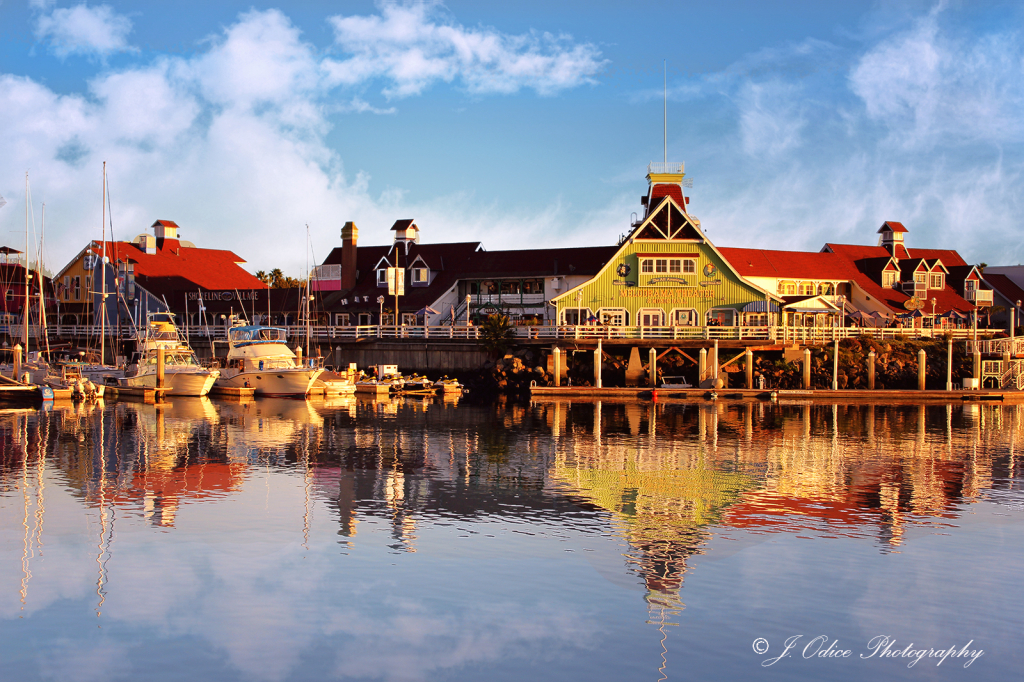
(232, 393)
(143, 394)
(781, 395)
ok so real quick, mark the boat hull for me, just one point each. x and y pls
(279, 382)
(177, 383)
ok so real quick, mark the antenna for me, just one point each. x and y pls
(664, 67)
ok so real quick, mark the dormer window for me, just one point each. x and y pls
(936, 281)
(420, 275)
(889, 278)
(382, 277)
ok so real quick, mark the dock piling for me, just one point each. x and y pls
(557, 354)
(807, 368)
(652, 356)
(160, 362)
(748, 358)
(871, 370)
(922, 367)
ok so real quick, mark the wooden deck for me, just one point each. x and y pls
(781, 396)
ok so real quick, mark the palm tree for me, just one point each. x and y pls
(276, 278)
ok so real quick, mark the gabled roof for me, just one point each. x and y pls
(403, 224)
(891, 226)
(667, 220)
(869, 261)
(165, 223)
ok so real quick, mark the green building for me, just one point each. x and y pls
(667, 273)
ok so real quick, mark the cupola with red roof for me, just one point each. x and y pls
(664, 179)
(892, 238)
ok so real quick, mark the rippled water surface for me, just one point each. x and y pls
(428, 540)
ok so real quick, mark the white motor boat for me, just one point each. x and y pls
(259, 358)
(183, 374)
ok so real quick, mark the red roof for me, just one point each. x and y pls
(184, 267)
(1005, 286)
(788, 264)
(165, 223)
(869, 260)
(667, 190)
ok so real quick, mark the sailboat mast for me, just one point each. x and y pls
(103, 270)
(24, 309)
(39, 276)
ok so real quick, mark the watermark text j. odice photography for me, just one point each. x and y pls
(880, 647)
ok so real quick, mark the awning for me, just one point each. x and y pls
(761, 307)
(425, 310)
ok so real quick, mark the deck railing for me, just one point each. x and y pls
(326, 333)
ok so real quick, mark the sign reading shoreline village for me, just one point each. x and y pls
(666, 272)
(225, 296)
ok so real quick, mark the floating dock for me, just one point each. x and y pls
(135, 393)
(232, 393)
(781, 395)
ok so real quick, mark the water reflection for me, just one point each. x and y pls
(442, 530)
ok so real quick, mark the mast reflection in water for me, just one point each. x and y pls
(415, 539)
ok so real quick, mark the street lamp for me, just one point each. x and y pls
(934, 301)
(468, 300)
(380, 318)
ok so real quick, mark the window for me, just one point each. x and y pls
(341, 319)
(920, 277)
(364, 319)
(67, 288)
(409, 319)
(889, 279)
(675, 265)
(388, 319)
(420, 275)
(825, 289)
(790, 288)
(689, 265)
(10, 294)
(76, 284)
(807, 289)
(576, 316)
(661, 265)
(613, 317)
(935, 281)
(88, 284)
(722, 317)
(646, 265)
(382, 277)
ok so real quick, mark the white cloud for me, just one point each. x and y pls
(925, 85)
(412, 46)
(230, 143)
(84, 30)
(770, 117)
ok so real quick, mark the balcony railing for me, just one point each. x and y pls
(979, 297)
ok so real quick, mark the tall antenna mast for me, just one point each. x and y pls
(665, 71)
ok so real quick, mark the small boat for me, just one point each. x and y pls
(259, 358)
(448, 386)
(332, 384)
(184, 375)
(385, 380)
(418, 384)
(678, 382)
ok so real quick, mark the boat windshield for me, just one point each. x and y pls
(176, 359)
(257, 334)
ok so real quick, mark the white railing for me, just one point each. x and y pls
(663, 167)
(981, 297)
(328, 272)
(1013, 346)
(507, 299)
(462, 331)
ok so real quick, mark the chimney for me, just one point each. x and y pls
(349, 236)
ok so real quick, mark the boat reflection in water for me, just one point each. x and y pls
(611, 540)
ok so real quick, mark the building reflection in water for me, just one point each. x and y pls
(666, 477)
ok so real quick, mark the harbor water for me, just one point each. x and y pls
(430, 539)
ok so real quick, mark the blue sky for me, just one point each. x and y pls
(529, 124)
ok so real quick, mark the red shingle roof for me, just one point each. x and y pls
(892, 226)
(177, 267)
(788, 264)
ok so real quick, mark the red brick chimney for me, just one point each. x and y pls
(349, 237)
